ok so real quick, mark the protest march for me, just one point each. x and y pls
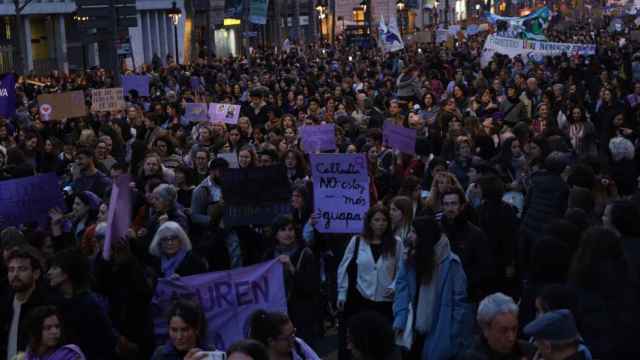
(474, 196)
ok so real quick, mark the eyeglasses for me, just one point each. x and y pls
(290, 337)
(168, 239)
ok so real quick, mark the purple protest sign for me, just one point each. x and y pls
(317, 138)
(29, 199)
(227, 298)
(195, 83)
(399, 138)
(195, 112)
(140, 83)
(7, 95)
(340, 191)
(227, 113)
(118, 222)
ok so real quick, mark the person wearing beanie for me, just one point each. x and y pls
(301, 274)
(556, 336)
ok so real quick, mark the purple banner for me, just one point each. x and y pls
(340, 191)
(28, 200)
(399, 138)
(140, 83)
(227, 298)
(195, 83)
(227, 113)
(195, 112)
(317, 138)
(7, 95)
(118, 222)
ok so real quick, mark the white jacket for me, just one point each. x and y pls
(375, 279)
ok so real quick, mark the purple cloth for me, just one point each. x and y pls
(67, 352)
(227, 298)
(7, 95)
(399, 138)
(318, 137)
(29, 199)
(118, 221)
(170, 264)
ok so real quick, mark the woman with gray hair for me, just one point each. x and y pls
(171, 249)
(164, 200)
(498, 320)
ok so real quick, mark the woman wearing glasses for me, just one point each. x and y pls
(277, 333)
(171, 249)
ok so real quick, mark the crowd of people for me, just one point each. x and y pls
(511, 233)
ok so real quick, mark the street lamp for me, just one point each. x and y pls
(400, 5)
(174, 14)
(81, 20)
(321, 8)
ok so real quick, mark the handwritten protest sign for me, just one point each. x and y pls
(341, 191)
(399, 138)
(57, 106)
(118, 222)
(139, 83)
(227, 113)
(318, 137)
(195, 112)
(245, 198)
(28, 200)
(227, 298)
(107, 99)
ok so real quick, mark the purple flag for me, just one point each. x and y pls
(317, 138)
(140, 83)
(195, 112)
(7, 95)
(227, 298)
(29, 199)
(340, 191)
(399, 138)
(118, 221)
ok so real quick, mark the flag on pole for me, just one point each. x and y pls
(389, 36)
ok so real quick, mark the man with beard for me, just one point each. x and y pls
(513, 109)
(469, 243)
(24, 269)
(90, 179)
(531, 96)
(208, 193)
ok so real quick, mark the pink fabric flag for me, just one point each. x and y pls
(119, 215)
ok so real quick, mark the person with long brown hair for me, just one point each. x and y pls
(366, 275)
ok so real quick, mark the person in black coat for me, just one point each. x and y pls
(607, 296)
(171, 249)
(546, 199)
(122, 281)
(24, 269)
(86, 323)
(469, 243)
(302, 277)
(497, 219)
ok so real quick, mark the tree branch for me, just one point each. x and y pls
(19, 8)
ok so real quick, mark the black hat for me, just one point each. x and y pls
(557, 325)
(218, 163)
